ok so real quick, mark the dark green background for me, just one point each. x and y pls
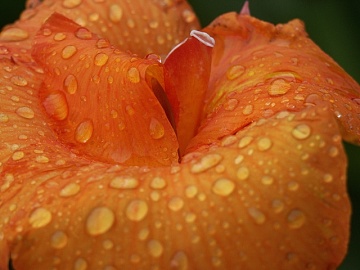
(332, 24)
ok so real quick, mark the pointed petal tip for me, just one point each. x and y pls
(203, 37)
(245, 10)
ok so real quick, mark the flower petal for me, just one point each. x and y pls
(99, 99)
(289, 209)
(259, 69)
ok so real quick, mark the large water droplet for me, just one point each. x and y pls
(223, 187)
(123, 182)
(136, 210)
(279, 87)
(84, 131)
(40, 217)
(59, 240)
(25, 112)
(71, 84)
(264, 144)
(205, 163)
(18, 155)
(301, 132)
(68, 52)
(83, 33)
(156, 129)
(243, 173)
(100, 220)
(70, 190)
(158, 183)
(101, 59)
(133, 75)
(13, 34)
(56, 105)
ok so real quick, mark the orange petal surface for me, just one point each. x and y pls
(271, 196)
(259, 69)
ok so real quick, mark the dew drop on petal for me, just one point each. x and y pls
(235, 72)
(243, 173)
(223, 187)
(13, 34)
(80, 264)
(176, 204)
(258, 216)
(179, 261)
(279, 87)
(101, 59)
(191, 191)
(59, 36)
(84, 131)
(296, 219)
(68, 52)
(71, 84)
(56, 105)
(328, 178)
(248, 109)
(133, 75)
(70, 190)
(18, 155)
(264, 144)
(245, 141)
(158, 183)
(301, 132)
(155, 248)
(156, 129)
(267, 180)
(83, 33)
(59, 240)
(100, 220)
(115, 13)
(25, 112)
(71, 3)
(277, 205)
(18, 80)
(206, 162)
(122, 182)
(137, 210)
(40, 217)
(3, 118)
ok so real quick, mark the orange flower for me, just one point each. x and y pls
(225, 154)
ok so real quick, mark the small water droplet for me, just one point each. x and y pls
(3, 118)
(156, 129)
(107, 244)
(18, 155)
(71, 84)
(179, 261)
(59, 36)
(56, 105)
(70, 190)
(296, 219)
(71, 3)
(223, 187)
(115, 13)
(25, 112)
(137, 210)
(155, 248)
(80, 264)
(245, 141)
(248, 109)
(264, 144)
(124, 182)
(206, 162)
(83, 33)
(84, 131)
(328, 178)
(188, 15)
(257, 215)
(267, 180)
(143, 234)
(100, 220)
(102, 43)
(231, 104)
(133, 75)
(279, 87)
(101, 59)
(293, 186)
(59, 240)
(333, 151)
(191, 191)
(68, 52)
(40, 217)
(158, 183)
(176, 203)
(235, 72)
(301, 132)
(18, 80)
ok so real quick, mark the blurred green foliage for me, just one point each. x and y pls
(332, 24)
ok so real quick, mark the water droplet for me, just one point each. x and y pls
(59, 36)
(40, 217)
(179, 261)
(158, 183)
(188, 15)
(277, 205)
(245, 141)
(70, 190)
(18, 155)
(223, 187)
(328, 178)
(257, 215)
(264, 144)
(243, 173)
(205, 163)
(293, 186)
(231, 104)
(156, 129)
(56, 105)
(123, 182)
(100, 220)
(13, 34)
(102, 43)
(101, 59)
(83, 33)
(107, 244)
(59, 240)
(333, 151)
(235, 72)
(84, 131)
(191, 191)
(115, 13)
(80, 264)
(279, 87)
(18, 80)
(296, 219)
(137, 210)
(155, 248)
(143, 234)
(301, 132)
(71, 3)
(248, 109)
(71, 84)
(267, 180)
(190, 217)
(68, 52)
(25, 112)
(133, 75)
(176, 203)
(3, 118)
